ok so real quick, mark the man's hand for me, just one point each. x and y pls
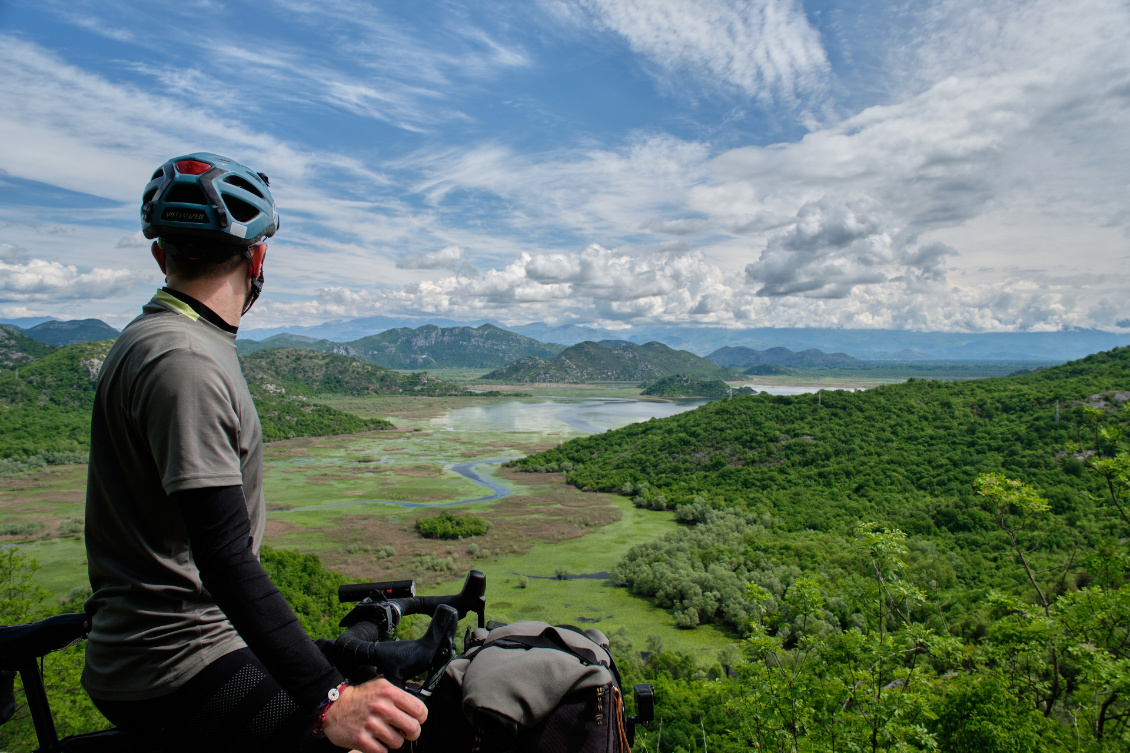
(375, 717)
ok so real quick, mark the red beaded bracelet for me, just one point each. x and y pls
(331, 696)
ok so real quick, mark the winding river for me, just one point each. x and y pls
(551, 416)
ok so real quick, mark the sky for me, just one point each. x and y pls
(953, 165)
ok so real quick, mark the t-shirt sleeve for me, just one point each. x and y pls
(185, 405)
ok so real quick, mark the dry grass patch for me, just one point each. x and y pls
(416, 471)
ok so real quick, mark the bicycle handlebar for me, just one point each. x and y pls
(386, 613)
(401, 660)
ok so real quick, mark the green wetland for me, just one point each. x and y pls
(925, 564)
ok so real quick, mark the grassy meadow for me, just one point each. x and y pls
(344, 498)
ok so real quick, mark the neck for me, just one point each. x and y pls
(223, 295)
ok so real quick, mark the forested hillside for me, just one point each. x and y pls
(16, 348)
(678, 385)
(427, 347)
(290, 371)
(626, 362)
(920, 566)
(904, 452)
(45, 406)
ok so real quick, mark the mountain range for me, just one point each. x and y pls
(625, 362)
(428, 347)
(742, 357)
(863, 344)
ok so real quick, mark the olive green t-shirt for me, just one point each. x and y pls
(172, 412)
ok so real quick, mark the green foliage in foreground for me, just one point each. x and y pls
(448, 526)
(977, 612)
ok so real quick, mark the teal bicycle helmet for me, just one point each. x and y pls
(204, 199)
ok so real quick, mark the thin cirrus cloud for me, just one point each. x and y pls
(764, 49)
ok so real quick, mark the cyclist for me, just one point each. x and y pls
(191, 644)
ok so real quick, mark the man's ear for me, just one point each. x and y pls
(258, 253)
(159, 255)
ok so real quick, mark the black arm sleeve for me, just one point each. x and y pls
(220, 534)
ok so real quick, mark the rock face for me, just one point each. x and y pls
(16, 348)
(627, 362)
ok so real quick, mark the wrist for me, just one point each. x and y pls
(333, 695)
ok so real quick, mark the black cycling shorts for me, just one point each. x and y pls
(232, 706)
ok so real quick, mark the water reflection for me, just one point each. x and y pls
(556, 415)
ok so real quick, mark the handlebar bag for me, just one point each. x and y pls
(529, 686)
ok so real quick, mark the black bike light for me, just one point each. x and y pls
(389, 589)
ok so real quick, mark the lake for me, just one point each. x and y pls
(556, 415)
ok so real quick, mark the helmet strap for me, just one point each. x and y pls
(255, 257)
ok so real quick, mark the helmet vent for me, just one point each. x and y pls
(186, 193)
(148, 197)
(158, 174)
(239, 182)
(240, 210)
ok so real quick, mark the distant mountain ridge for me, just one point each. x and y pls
(592, 362)
(743, 357)
(71, 332)
(865, 344)
(427, 347)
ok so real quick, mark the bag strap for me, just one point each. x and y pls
(550, 638)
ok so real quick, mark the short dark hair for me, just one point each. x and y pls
(199, 262)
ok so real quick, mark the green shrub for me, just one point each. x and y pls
(448, 526)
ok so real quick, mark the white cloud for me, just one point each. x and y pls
(764, 48)
(448, 257)
(133, 240)
(39, 280)
(10, 252)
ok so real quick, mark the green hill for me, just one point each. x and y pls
(45, 407)
(942, 564)
(627, 362)
(71, 332)
(16, 348)
(678, 385)
(823, 462)
(290, 371)
(428, 347)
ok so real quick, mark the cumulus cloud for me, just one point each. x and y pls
(39, 280)
(448, 257)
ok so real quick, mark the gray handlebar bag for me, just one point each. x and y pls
(500, 679)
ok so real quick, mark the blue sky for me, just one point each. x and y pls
(951, 165)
